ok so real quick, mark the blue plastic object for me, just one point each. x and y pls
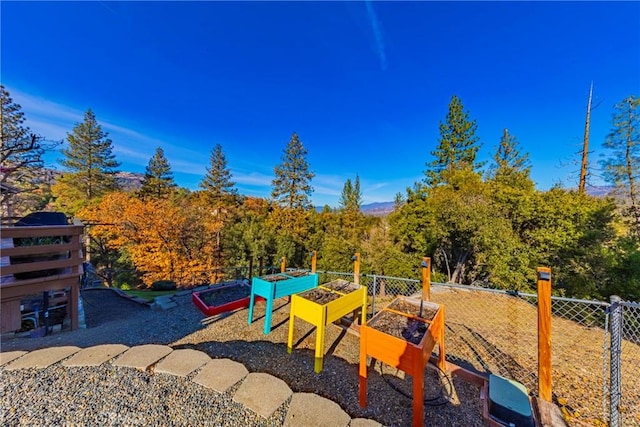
(509, 402)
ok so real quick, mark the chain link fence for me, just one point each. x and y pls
(496, 331)
(628, 410)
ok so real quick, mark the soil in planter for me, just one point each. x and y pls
(428, 309)
(404, 327)
(341, 286)
(224, 295)
(273, 278)
(320, 296)
(296, 273)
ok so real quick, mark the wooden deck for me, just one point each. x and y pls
(67, 269)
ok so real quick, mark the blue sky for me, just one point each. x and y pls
(364, 84)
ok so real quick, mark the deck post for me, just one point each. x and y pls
(544, 333)
(426, 278)
(356, 268)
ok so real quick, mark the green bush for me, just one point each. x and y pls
(163, 285)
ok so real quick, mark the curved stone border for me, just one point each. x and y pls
(259, 392)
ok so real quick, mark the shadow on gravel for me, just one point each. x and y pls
(104, 305)
(113, 319)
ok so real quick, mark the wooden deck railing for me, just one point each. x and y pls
(59, 274)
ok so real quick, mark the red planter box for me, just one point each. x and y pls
(199, 298)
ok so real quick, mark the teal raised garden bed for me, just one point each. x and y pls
(276, 286)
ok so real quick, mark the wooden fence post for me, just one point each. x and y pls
(426, 278)
(314, 258)
(544, 333)
(356, 268)
(283, 265)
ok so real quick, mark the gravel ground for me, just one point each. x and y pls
(105, 395)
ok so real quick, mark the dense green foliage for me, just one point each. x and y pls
(158, 178)
(497, 231)
(490, 227)
(90, 166)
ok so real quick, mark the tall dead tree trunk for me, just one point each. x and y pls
(585, 145)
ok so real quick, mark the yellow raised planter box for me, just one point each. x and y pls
(324, 305)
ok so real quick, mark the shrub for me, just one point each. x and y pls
(163, 285)
(126, 278)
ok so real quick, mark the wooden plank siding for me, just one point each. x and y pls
(12, 290)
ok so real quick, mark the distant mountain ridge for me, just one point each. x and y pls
(129, 181)
(378, 208)
(600, 190)
(373, 209)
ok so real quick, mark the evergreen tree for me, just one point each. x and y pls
(398, 200)
(219, 192)
(347, 233)
(291, 189)
(458, 146)
(351, 197)
(511, 167)
(217, 182)
(292, 184)
(622, 166)
(345, 197)
(21, 165)
(90, 166)
(158, 178)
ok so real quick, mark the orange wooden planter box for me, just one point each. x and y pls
(348, 298)
(400, 352)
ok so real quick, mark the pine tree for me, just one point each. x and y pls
(345, 197)
(511, 167)
(292, 184)
(20, 159)
(458, 146)
(351, 197)
(158, 179)
(291, 189)
(90, 166)
(219, 191)
(622, 166)
(217, 182)
(352, 225)
(356, 196)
